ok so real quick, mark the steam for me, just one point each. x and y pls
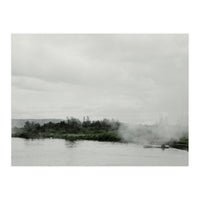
(159, 133)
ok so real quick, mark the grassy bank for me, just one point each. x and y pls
(108, 136)
(72, 129)
(182, 143)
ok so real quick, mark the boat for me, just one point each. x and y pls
(163, 146)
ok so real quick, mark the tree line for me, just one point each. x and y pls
(69, 126)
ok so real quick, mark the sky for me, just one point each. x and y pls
(134, 78)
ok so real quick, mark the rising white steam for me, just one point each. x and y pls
(152, 134)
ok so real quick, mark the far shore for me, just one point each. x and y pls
(73, 130)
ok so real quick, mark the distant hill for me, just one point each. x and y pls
(20, 122)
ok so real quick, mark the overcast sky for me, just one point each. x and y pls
(132, 78)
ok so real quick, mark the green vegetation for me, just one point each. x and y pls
(71, 129)
(182, 143)
(74, 129)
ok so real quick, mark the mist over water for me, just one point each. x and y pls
(157, 133)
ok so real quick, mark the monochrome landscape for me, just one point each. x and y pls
(100, 100)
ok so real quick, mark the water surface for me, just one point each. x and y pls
(59, 152)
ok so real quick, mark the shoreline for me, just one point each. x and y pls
(101, 138)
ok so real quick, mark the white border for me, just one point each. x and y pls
(103, 16)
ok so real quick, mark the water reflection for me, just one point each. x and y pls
(70, 144)
(32, 142)
(59, 152)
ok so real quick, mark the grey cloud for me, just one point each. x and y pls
(124, 76)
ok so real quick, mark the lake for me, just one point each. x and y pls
(59, 152)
